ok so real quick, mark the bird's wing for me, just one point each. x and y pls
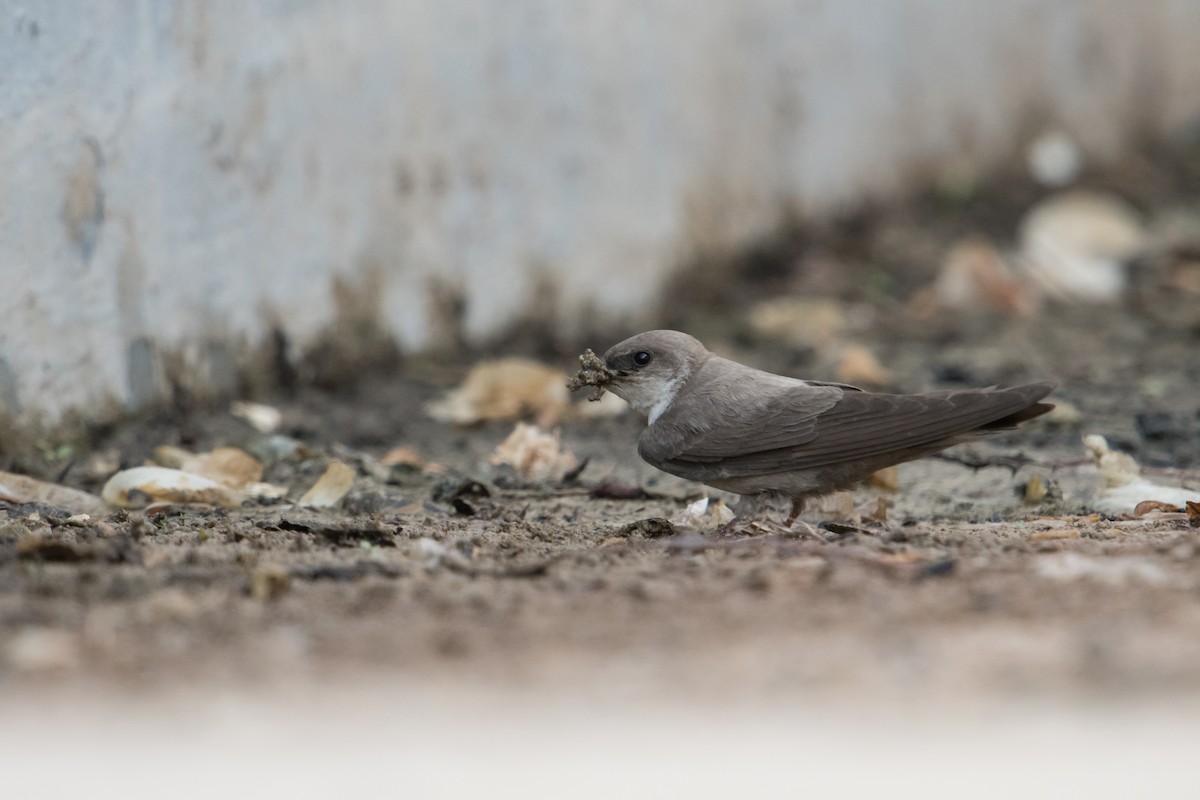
(731, 409)
(855, 426)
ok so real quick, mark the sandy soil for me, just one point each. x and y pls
(965, 596)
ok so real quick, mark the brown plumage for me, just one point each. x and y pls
(755, 433)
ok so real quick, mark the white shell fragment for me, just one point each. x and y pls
(1054, 159)
(143, 486)
(261, 417)
(535, 454)
(1125, 487)
(1074, 245)
(16, 488)
(703, 514)
(334, 484)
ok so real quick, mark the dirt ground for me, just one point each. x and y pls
(469, 577)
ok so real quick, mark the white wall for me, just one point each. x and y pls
(174, 174)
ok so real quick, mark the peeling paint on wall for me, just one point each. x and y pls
(178, 180)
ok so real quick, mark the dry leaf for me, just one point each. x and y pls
(1146, 506)
(1193, 512)
(975, 277)
(814, 323)
(331, 487)
(1035, 490)
(228, 466)
(409, 457)
(880, 512)
(511, 388)
(402, 455)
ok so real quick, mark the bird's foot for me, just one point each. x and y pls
(762, 526)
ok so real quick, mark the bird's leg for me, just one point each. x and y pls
(756, 516)
(748, 520)
(797, 510)
(805, 529)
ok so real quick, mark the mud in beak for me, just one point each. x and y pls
(592, 372)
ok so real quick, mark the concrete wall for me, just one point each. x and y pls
(177, 178)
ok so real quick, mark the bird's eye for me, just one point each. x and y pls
(641, 358)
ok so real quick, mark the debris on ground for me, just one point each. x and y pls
(815, 323)
(334, 484)
(140, 487)
(506, 389)
(228, 466)
(263, 418)
(974, 277)
(406, 456)
(858, 366)
(1124, 486)
(536, 455)
(16, 488)
(705, 514)
(1075, 245)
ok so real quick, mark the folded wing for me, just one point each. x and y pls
(810, 426)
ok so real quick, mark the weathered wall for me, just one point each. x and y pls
(175, 176)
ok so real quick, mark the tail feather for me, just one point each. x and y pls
(1030, 393)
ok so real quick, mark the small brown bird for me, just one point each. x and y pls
(770, 437)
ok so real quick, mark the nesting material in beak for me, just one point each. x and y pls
(592, 372)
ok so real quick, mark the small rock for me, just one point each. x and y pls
(1054, 159)
(261, 417)
(1035, 490)
(858, 365)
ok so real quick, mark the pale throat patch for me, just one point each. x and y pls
(669, 390)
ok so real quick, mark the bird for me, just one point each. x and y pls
(773, 438)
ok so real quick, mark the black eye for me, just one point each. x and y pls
(641, 358)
